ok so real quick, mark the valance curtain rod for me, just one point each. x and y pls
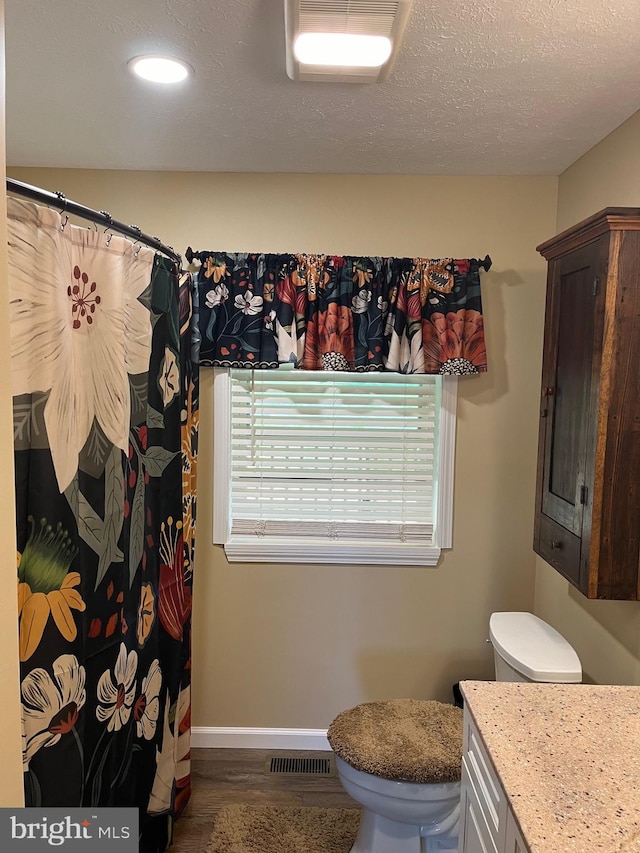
(100, 217)
(190, 254)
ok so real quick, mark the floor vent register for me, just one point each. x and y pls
(287, 766)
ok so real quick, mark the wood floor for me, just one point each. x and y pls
(223, 776)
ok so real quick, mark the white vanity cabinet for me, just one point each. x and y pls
(486, 822)
(550, 767)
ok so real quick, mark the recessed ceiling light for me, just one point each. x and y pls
(160, 69)
(342, 49)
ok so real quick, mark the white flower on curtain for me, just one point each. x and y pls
(217, 296)
(147, 708)
(116, 697)
(360, 302)
(77, 327)
(169, 379)
(248, 303)
(174, 757)
(50, 708)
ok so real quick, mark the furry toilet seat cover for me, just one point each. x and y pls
(409, 740)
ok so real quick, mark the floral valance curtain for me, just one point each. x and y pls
(329, 312)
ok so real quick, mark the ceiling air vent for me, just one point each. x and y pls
(354, 17)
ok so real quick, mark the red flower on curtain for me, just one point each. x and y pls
(174, 597)
(454, 344)
(329, 344)
(293, 294)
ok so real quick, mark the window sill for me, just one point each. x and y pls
(256, 549)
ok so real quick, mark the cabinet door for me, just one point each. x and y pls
(514, 842)
(475, 836)
(572, 345)
(566, 391)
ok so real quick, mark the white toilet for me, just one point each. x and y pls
(414, 817)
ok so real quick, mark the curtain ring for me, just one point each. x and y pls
(62, 203)
(138, 231)
(109, 236)
(62, 199)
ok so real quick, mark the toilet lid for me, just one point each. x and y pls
(408, 740)
(534, 648)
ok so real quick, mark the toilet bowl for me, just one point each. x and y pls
(402, 815)
(401, 760)
(397, 815)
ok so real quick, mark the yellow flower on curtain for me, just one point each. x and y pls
(46, 586)
(146, 613)
(215, 268)
(362, 273)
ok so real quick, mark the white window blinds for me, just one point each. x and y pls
(337, 458)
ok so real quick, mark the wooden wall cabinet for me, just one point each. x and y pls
(587, 523)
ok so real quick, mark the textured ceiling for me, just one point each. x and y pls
(479, 87)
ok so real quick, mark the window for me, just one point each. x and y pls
(317, 467)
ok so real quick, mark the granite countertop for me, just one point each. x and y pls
(568, 757)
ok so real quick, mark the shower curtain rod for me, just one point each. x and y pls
(100, 217)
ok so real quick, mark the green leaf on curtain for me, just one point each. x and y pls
(93, 455)
(113, 513)
(155, 419)
(139, 387)
(29, 430)
(145, 297)
(114, 488)
(362, 333)
(136, 533)
(96, 788)
(110, 553)
(21, 425)
(156, 459)
(33, 792)
(246, 346)
(90, 525)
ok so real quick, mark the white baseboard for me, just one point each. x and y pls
(217, 737)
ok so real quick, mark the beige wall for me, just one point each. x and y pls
(11, 790)
(290, 646)
(606, 176)
(606, 634)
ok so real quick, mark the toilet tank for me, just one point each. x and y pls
(527, 649)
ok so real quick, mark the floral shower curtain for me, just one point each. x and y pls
(328, 312)
(105, 386)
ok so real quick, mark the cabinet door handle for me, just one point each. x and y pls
(556, 544)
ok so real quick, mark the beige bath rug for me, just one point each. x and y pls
(283, 829)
